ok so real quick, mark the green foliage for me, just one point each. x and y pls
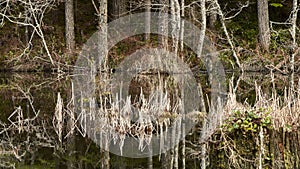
(280, 39)
(226, 58)
(248, 121)
(276, 5)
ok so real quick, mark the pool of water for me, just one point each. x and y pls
(30, 139)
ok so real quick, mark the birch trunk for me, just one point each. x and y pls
(175, 24)
(147, 20)
(183, 145)
(182, 26)
(199, 53)
(262, 148)
(294, 44)
(163, 22)
(204, 130)
(70, 34)
(71, 145)
(203, 27)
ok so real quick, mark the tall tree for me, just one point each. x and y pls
(263, 24)
(199, 52)
(147, 19)
(182, 26)
(175, 24)
(294, 14)
(203, 27)
(163, 23)
(70, 34)
(101, 9)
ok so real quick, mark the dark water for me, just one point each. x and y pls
(35, 144)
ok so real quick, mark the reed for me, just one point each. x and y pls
(247, 128)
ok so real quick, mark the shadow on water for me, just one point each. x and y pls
(30, 139)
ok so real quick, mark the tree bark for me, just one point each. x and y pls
(118, 8)
(150, 159)
(222, 19)
(293, 46)
(177, 137)
(212, 19)
(70, 35)
(163, 22)
(101, 10)
(166, 158)
(183, 144)
(102, 26)
(175, 24)
(182, 25)
(263, 24)
(71, 141)
(204, 129)
(203, 27)
(147, 19)
(102, 21)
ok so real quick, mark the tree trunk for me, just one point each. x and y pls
(118, 8)
(182, 25)
(71, 142)
(150, 159)
(70, 35)
(166, 158)
(183, 144)
(177, 137)
(294, 44)
(102, 21)
(103, 15)
(163, 22)
(105, 160)
(101, 10)
(263, 24)
(147, 20)
(222, 19)
(203, 27)
(175, 24)
(204, 129)
(212, 19)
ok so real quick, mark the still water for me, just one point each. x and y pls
(30, 138)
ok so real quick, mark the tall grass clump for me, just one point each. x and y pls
(262, 135)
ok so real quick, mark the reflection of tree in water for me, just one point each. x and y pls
(148, 82)
(30, 136)
(29, 131)
(155, 107)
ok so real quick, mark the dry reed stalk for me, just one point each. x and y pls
(19, 117)
(283, 110)
(117, 117)
(58, 117)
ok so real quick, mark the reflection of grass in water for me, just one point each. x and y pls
(150, 81)
(246, 127)
(258, 135)
(153, 105)
(6, 86)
